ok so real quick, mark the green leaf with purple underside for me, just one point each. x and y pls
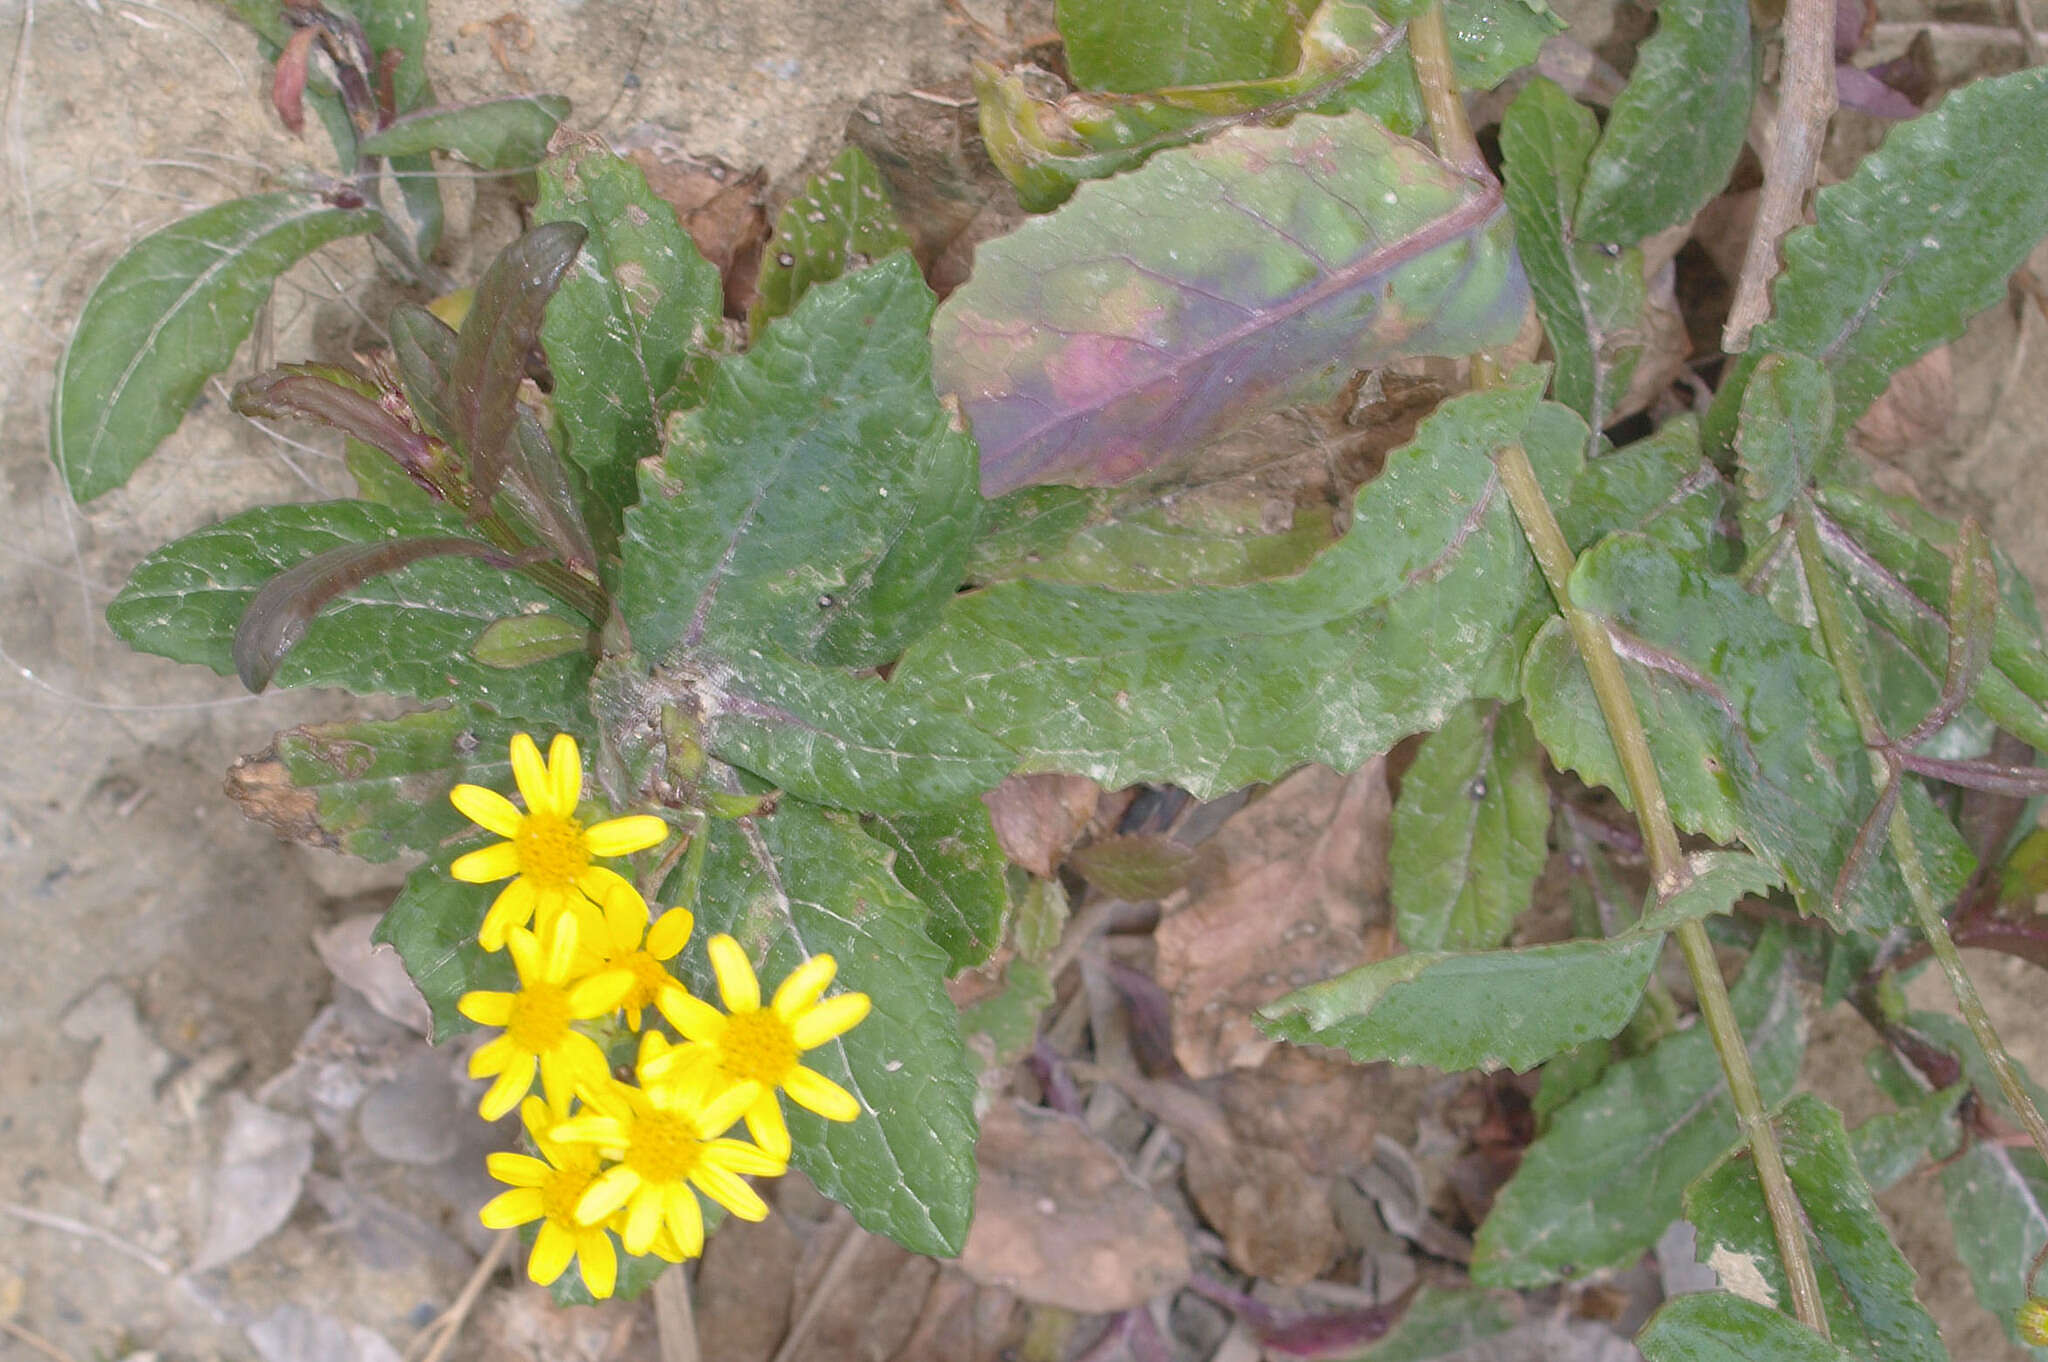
(1382, 635)
(1159, 309)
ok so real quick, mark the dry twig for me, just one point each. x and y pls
(675, 1319)
(32, 1339)
(448, 1323)
(1806, 103)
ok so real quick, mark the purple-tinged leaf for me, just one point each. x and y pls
(1972, 626)
(288, 82)
(424, 347)
(508, 133)
(537, 483)
(2021, 782)
(1866, 92)
(1159, 309)
(502, 328)
(278, 614)
(1870, 836)
(330, 395)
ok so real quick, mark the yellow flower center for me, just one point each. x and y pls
(540, 1018)
(551, 850)
(664, 1148)
(649, 977)
(758, 1045)
(563, 1189)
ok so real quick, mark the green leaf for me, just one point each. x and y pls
(1866, 1285)
(848, 742)
(1906, 250)
(1473, 1010)
(1719, 881)
(1470, 831)
(1892, 1144)
(1591, 301)
(1175, 541)
(1997, 1201)
(1082, 352)
(1677, 126)
(631, 330)
(374, 787)
(1000, 1029)
(410, 633)
(842, 221)
(1441, 1321)
(803, 882)
(432, 925)
(821, 499)
(167, 316)
(1713, 1326)
(1138, 45)
(1507, 1008)
(1788, 412)
(1745, 720)
(951, 861)
(507, 133)
(380, 479)
(1212, 688)
(1603, 1182)
(401, 26)
(1660, 486)
(1895, 561)
(526, 639)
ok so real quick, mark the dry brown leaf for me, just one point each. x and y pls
(1273, 1214)
(948, 194)
(724, 211)
(963, 1322)
(873, 1306)
(1303, 871)
(744, 1287)
(1914, 411)
(1057, 1220)
(1038, 817)
(1322, 1111)
(372, 970)
(1665, 341)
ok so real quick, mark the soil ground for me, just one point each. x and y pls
(156, 951)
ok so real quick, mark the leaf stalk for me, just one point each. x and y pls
(1843, 650)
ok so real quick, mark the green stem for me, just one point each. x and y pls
(1667, 863)
(1843, 650)
(1429, 46)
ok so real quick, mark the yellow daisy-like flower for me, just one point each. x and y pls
(623, 939)
(668, 1144)
(540, 1018)
(547, 1189)
(546, 848)
(763, 1045)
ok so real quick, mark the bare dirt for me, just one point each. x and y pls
(157, 952)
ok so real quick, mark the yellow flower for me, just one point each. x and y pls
(546, 848)
(622, 939)
(539, 1020)
(756, 1044)
(668, 1146)
(547, 1189)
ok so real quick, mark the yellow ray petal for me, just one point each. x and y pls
(833, 1017)
(685, 1221)
(670, 933)
(805, 986)
(643, 1218)
(492, 1056)
(625, 918)
(552, 1248)
(695, 1018)
(526, 956)
(765, 1124)
(611, 1190)
(587, 1129)
(598, 1262)
(486, 1008)
(516, 1207)
(600, 994)
(512, 908)
(624, 836)
(725, 1188)
(529, 774)
(560, 945)
(487, 809)
(518, 1170)
(736, 981)
(740, 1157)
(486, 864)
(506, 1090)
(565, 775)
(808, 1088)
(720, 1112)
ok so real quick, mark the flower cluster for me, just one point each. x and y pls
(614, 1156)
